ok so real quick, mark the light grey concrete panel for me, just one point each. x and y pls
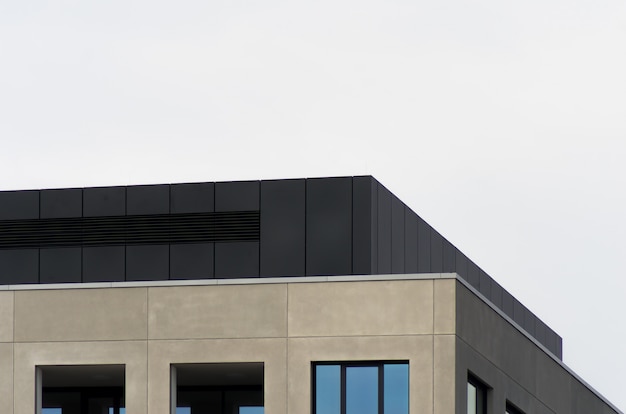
(6, 316)
(6, 378)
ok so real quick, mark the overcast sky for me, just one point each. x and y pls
(502, 123)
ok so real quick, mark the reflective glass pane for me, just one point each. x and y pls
(396, 388)
(471, 398)
(362, 390)
(51, 411)
(327, 389)
(250, 410)
(183, 410)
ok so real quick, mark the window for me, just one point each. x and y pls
(476, 397)
(511, 409)
(361, 388)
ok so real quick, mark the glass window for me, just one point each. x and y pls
(511, 409)
(251, 410)
(476, 397)
(361, 388)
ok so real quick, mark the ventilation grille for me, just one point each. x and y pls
(149, 229)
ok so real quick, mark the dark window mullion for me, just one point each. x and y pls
(343, 389)
(381, 389)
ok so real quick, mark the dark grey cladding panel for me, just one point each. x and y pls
(61, 203)
(363, 198)
(397, 235)
(104, 264)
(374, 245)
(410, 241)
(558, 350)
(423, 246)
(191, 261)
(19, 266)
(436, 252)
(484, 284)
(192, 198)
(473, 274)
(329, 226)
(507, 303)
(148, 199)
(237, 259)
(104, 201)
(530, 321)
(283, 204)
(384, 230)
(540, 330)
(449, 257)
(237, 196)
(461, 263)
(496, 293)
(518, 312)
(148, 262)
(19, 205)
(62, 265)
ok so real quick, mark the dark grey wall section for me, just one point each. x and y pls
(283, 217)
(63, 265)
(374, 245)
(496, 293)
(19, 266)
(410, 241)
(19, 205)
(104, 264)
(237, 196)
(449, 257)
(484, 284)
(192, 198)
(507, 303)
(362, 196)
(473, 274)
(329, 226)
(62, 203)
(423, 246)
(461, 263)
(148, 199)
(529, 321)
(384, 230)
(240, 259)
(104, 201)
(397, 235)
(436, 251)
(518, 312)
(191, 261)
(147, 262)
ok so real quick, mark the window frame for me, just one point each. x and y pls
(482, 390)
(343, 365)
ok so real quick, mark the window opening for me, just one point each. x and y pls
(361, 388)
(476, 396)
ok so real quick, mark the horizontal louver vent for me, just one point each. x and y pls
(149, 229)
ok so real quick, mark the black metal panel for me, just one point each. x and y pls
(473, 274)
(148, 199)
(104, 201)
(423, 246)
(436, 251)
(62, 265)
(19, 205)
(329, 226)
(374, 245)
(150, 262)
(234, 260)
(397, 235)
(362, 225)
(484, 284)
(540, 331)
(460, 264)
(283, 219)
(529, 321)
(104, 264)
(558, 349)
(62, 203)
(449, 257)
(192, 198)
(507, 303)
(19, 266)
(384, 230)
(496, 294)
(410, 241)
(237, 196)
(191, 261)
(518, 312)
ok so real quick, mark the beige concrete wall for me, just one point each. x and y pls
(287, 326)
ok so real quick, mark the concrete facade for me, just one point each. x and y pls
(436, 322)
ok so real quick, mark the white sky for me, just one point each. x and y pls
(502, 123)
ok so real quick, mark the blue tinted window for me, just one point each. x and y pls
(183, 410)
(250, 410)
(327, 389)
(357, 388)
(396, 388)
(362, 390)
(51, 411)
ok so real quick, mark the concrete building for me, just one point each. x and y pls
(323, 296)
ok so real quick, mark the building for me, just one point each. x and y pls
(324, 296)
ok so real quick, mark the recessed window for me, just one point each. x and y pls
(361, 388)
(511, 409)
(234, 388)
(476, 396)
